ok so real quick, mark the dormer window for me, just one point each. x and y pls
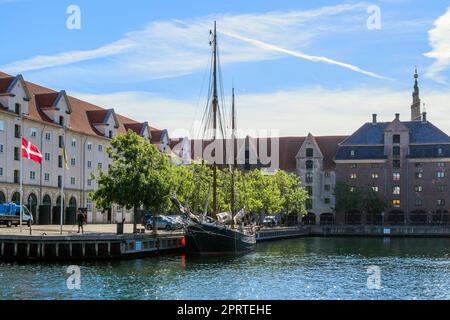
(440, 151)
(396, 138)
(352, 152)
(110, 134)
(61, 120)
(18, 108)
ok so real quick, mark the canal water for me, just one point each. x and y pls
(304, 268)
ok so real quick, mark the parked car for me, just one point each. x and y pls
(269, 221)
(162, 222)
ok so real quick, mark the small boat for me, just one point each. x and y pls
(226, 233)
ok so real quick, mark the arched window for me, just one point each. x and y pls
(58, 201)
(2, 197)
(32, 200)
(47, 201)
(73, 202)
(16, 198)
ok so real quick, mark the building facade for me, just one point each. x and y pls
(405, 162)
(49, 120)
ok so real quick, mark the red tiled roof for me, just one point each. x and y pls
(156, 135)
(79, 120)
(5, 82)
(45, 100)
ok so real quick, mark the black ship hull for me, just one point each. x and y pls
(205, 238)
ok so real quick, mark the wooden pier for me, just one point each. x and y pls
(87, 246)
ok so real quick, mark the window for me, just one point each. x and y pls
(396, 190)
(32, 175)
(441, 164)
(441, 188)
(110, 134)
(59, 181)
(440, 202)
(396, 138)
(309, 190)
(396, 203)
(89, 164)
(72, 162)
(61, 120)
(308, 204)
(100, 148)
(326, 200)
(47, 176)
(60, 161)
(16, 131)
(2, 125)
(327, 174)
(440, 151)
(72, 180)
(17, 108)
(352, 189)
(396, 164)
(16, 176)
(309, 177)
(396, 176)
(418, 188)
(419, 175)
(374, 175)
(16, 154)
(33, 132)
(353, 165)
(352, 176)
(309, 152)
(47, 156)
(327, 187)
(1, 148)
(396, 151)
(309, 164)
(89, 146)
(352, 152)
(100, 167)
(418, 164)
(47, 136)
(375, 188)
(89, 204)
(440, 174)
(419, 202)
(74, 142)
(89, 182)
(1, 172)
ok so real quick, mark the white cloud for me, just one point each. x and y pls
(296, 112)
(439, 40)
(173, 48)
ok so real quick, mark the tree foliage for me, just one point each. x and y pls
(362, 199)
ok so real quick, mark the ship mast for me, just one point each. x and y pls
(215, 103)
(233, 137)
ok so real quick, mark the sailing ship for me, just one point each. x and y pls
(221, 233)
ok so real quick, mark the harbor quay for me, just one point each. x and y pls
(46, 243)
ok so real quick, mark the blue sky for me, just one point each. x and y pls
(298, 66)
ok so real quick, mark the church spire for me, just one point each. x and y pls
(415, 106)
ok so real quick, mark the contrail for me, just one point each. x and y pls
(302, 55)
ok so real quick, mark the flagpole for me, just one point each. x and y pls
(62, 183)
(21, 170)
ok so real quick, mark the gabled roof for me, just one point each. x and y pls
(138, 127)
(79, 120)
(420, 132)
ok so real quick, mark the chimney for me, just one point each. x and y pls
(397, 116)
(374, 118)
(424, 117)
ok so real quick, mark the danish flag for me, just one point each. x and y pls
(30, 151)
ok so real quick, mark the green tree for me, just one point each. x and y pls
(140, 175)
(347, 199)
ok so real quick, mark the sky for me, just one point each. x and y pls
(298, 67)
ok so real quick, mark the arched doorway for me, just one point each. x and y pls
(326, 218)
(32, 204)
(71, 211)
(309, 219)
(418, 217)
(58, 201)
(47, 201)
(72, 202)
(440, 217)
(396, 217)
(45, 210)
(2, 197)
(16, 198)
(353, 217)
